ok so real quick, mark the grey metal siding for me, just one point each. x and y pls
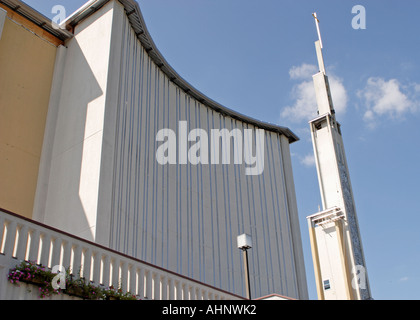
(186, 217)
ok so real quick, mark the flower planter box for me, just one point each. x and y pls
(31, 273)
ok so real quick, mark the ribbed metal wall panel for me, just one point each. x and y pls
(186, 217)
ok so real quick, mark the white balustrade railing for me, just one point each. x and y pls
(25, 239)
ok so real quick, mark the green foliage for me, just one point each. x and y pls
(32, 273)
(117, 294)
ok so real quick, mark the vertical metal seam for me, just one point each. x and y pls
(276, 215)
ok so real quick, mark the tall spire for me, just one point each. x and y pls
(322, 87)
(339, 264)
(318, 45)
(317, 27)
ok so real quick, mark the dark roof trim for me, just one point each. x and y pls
(135, 17)
(37, 18)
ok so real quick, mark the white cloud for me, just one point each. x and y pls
(308, 160)
(304, 106)
(303, 94)
(304, 71)
(339, 94)
(389, 99)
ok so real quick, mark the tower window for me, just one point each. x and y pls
(327, 284)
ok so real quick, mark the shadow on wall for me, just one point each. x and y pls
(71, 152)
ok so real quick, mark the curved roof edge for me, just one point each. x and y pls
(136, 19)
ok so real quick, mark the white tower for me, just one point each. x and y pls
(340, 269)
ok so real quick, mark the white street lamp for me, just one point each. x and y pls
(245, 243)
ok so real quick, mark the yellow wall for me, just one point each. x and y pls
(26, 69)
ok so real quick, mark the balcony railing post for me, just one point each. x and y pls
(2, 229)
(178, 290)
(56, 252)
(171, 289)
(195, 293)
(87, 263)
(77, 260)
(156, 286)
(9, 245)
(67, 254)
(185, 293)
(148, 284)
(116, 273)
(140, 283)
(106, 271)
(132, 282)
(190, 292)
(96, 276)
(164, 294)
(34, 246)
(45, 249)
(22, 242)
(124, 275)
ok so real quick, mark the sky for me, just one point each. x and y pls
(257, 57)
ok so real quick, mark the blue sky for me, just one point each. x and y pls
(257, 57)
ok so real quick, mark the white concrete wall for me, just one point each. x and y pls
(330, 262)
(73, 171)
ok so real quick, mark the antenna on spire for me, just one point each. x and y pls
(318, 45)
(317, 28)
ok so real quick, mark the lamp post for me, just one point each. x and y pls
(245, 243)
